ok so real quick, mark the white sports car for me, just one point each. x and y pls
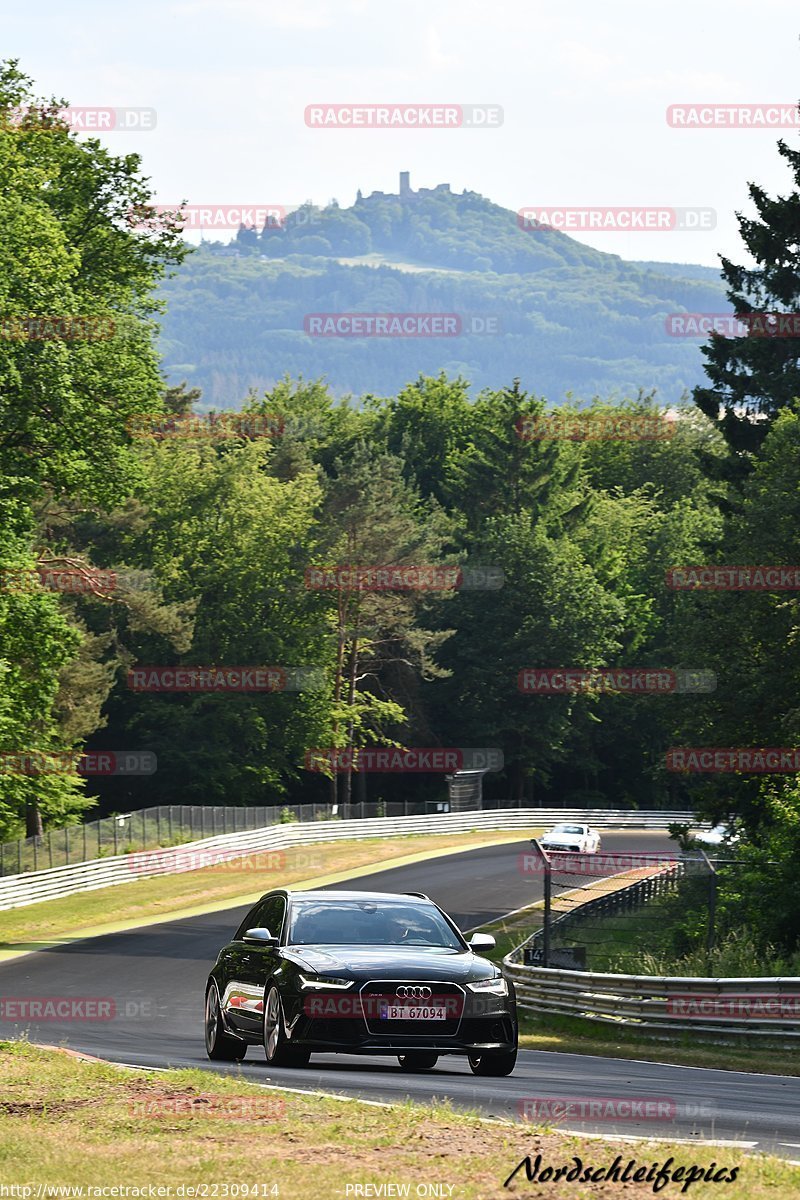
(720, 835)
(580, 838)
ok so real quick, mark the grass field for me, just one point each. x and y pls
(70, 1123)
(238, 881)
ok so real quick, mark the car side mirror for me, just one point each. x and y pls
(260, 937)
(482, 941)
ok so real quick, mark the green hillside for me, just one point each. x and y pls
(534, 304)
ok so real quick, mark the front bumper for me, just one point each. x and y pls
(474, 1022)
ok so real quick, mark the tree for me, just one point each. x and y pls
(77, 362)
(377, 520)
(755, 376)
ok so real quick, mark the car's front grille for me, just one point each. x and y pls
(379, 995)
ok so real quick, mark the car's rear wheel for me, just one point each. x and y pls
(279, 1052)
(493, 1063)
(220, 1046)
(417, 1060)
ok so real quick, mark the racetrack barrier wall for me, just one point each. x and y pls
(666, 1006)
(34, 886)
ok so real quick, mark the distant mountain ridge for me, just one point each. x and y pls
(562, 316)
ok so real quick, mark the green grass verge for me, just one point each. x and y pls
(237, 881)
(70, 1123)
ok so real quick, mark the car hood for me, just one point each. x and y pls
(389, 962)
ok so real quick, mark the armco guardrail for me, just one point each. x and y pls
(19, 890)
(662, 878)
(669, 1006)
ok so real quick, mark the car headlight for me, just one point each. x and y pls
(321, 983)
(496, 986)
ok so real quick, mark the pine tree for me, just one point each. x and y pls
(755, 376)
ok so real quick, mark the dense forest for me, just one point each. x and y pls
(133, 536)
(534, 304)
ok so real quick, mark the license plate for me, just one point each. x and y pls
(413, 1012)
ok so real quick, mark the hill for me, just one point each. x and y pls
(534, 304)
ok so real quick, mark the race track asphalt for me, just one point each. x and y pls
(156, 975)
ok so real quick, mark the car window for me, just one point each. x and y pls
(568, 829)
(267, 914)
(364, 923)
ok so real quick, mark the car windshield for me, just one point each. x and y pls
(568, 829)
(369, 923)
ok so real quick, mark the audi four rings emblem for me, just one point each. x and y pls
(417, 993)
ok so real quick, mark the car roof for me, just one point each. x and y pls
(318, 894)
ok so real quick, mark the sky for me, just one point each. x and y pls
(584, 90)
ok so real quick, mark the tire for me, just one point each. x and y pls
(277, 1050)
(493, 1064)
(220, 1046)
(417, 1060)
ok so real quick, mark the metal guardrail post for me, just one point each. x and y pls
(548, 879)
(712, 903)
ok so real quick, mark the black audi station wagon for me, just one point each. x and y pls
(359, 973)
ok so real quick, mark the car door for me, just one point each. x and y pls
(250, 965)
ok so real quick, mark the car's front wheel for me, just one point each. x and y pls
(220, 1046)
(279, 1052)
(417, 1061)
(496, 1064)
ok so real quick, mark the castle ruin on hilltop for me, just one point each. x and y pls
(406, 192)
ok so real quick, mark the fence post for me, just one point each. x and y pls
(85, 852)
(158, 824)
(35, 854)
(144, 829)
(66, 843)
(2, 866)
(50, 845)
(116, 835)
(712, 903)
(19, 856)
(545, 860)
